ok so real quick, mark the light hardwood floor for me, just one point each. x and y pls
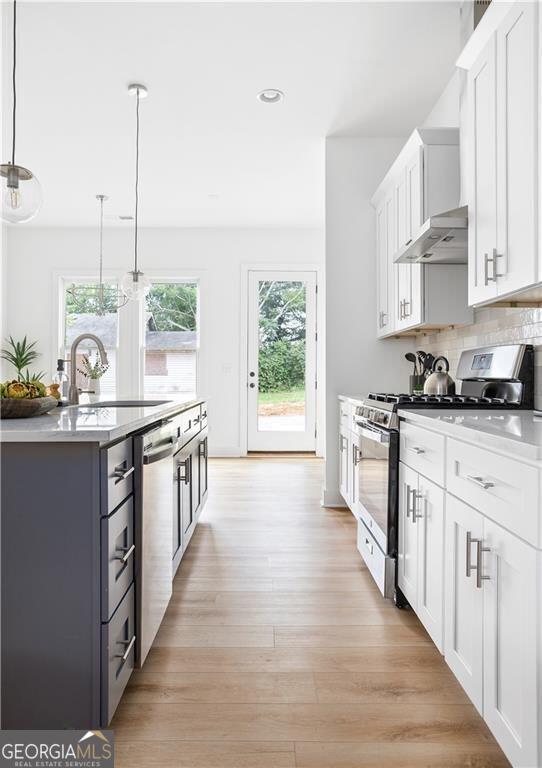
(277, 649)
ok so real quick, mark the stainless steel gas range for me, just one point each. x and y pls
(489, 378)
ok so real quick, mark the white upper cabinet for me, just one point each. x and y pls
(502, 106)
(422, 182)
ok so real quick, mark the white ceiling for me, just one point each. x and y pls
(212, 155)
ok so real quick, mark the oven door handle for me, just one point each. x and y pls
(373, 434)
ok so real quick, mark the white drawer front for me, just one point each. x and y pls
(423, 451)
(380, 566)
(502, 489)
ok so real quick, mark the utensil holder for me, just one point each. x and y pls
(415, 385)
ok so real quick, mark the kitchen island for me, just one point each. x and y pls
(98, 505)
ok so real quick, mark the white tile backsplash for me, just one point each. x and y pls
(491, 326)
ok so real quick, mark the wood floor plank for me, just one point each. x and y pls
(394, 685)
(399, 755)
(349, 637)
(179, 636)
(414, 658)
(222, 687)
(204, 754)
(450, 723)
(278, 650)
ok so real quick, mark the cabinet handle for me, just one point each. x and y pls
(469, 568)
(408, 490)
(202, 448)
(416, 450)
(122, 473)
(416, 496)
(408, 242)
(368, 545)
(406, 314)
(493, 261)
(357, 455)
(479, 577)
(183, 465)
(129, 644)
(128, 552)
(479, 481)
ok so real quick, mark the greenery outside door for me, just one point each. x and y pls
(281, 382)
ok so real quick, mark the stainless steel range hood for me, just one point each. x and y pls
(441, 239)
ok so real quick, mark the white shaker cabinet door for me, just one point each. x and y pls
(482, 186)
(517, 115)
(429, 513)
(407, 559)
(463, 605)
(345, 467)
(511, 586)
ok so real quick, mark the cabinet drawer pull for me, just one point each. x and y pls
(202, 448)
(129, 645)
(128, 552)
(408, 490)
(122, 473)
(408, 242)
(469, 567)
(479, 481)
(416, 450)
(369, 545)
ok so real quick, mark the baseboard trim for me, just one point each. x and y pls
(332, 499)
(226, 452)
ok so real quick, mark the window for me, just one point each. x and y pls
(167, 320)
(80, 316)
(171, 338)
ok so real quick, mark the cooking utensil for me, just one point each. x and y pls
(439, 382)
(428, 363)
(411, 357)
(421, 355)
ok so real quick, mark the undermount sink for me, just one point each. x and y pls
(124, 404)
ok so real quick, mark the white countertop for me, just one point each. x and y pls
(510, 431)
(357, 400)
(87, 424)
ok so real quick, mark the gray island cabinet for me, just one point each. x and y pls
(73, 554)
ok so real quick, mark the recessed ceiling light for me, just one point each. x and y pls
(270, 96)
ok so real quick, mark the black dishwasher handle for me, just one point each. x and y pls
(158, 454)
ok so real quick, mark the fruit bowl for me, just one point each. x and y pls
(22, 408)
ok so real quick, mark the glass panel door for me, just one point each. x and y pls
(282, 361)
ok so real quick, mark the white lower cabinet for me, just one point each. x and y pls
(475, 584)
(421, 545)
(463, 647)
(491, 627)
(344, 466)
(512, 621)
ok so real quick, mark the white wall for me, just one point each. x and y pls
(356, 361)
(445, 113)
(36, 256)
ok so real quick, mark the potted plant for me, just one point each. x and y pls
(27, 394)
(93, 370)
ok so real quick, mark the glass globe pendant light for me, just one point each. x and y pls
(21, 191)
(85, 297)
(134, 284)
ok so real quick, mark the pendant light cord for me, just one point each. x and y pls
(14, 85)
(101, 247)
(136, 182)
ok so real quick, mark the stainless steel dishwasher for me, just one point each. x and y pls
(154, 450)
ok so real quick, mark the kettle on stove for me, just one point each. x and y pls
(439, 382)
